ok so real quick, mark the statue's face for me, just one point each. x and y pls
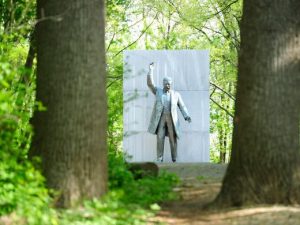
(167, 84)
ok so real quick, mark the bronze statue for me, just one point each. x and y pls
(164, 119)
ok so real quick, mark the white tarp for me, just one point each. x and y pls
(189, 70)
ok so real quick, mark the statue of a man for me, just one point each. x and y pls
(164, 120)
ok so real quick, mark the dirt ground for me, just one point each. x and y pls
(200, 185)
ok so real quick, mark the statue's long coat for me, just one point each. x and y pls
(176, 101)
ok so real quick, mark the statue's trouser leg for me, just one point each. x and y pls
(161, 133)
(172, 136)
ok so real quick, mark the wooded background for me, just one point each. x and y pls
(61, 102)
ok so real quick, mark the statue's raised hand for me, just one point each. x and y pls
(188, 119)
(151, 66)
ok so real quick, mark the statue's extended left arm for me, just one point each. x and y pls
(184, 110)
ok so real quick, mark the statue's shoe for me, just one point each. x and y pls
(159, 159)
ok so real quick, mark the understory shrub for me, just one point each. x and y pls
(24, 199)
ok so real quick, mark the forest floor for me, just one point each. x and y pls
(199, 186)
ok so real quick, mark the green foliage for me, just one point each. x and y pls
(16, 15)
(109, 211)
(150, 190)
(143, 192)
(118, 173)
(129, 201)
(23, 195)
(122, 206)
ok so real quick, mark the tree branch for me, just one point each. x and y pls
(208, 17)
(110, 42)
(212, 92)
(233, 37)
(114, 81)
(142, 33)
(131, 25)
(221, 107)
(225, 8)
(227, 93)
(189, 24)
(25, 76)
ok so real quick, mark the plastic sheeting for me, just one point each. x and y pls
(189, 70)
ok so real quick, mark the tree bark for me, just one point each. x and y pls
(265, 162)
(222, 144)
(70, 136)
(25, 76)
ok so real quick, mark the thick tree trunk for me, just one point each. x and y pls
(265, 163)
(70, 135)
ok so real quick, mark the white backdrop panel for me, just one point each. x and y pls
(189, 69)
(190, 72)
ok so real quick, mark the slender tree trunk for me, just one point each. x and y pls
(223, 133)
(265, 163)
(70, 136)
(222, 146)
(25, 76)
(225, 148)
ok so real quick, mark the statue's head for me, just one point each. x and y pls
(167, 82)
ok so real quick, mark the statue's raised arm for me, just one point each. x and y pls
(150, 81)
